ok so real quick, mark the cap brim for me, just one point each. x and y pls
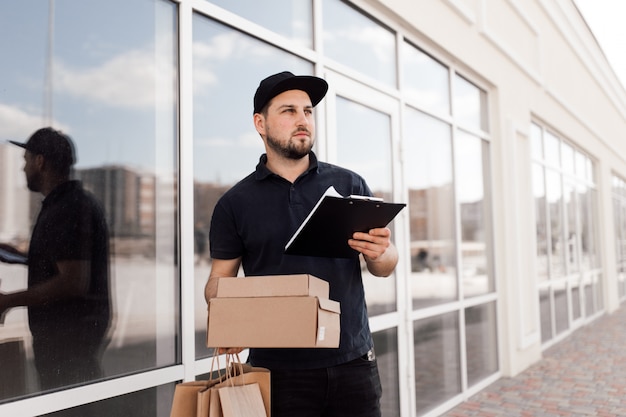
(315, 87)
(20, 144)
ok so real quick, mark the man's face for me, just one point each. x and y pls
(289, 127)
(32, 171)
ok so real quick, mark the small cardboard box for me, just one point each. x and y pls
(273, 286)
(287, 311)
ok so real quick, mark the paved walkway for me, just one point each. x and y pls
(583, 375)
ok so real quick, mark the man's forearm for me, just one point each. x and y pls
(384, 265)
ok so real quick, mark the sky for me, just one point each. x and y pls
(606, 20)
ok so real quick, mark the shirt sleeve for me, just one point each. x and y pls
(224, 240)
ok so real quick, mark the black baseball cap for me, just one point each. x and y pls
(52, 144)
(275, 84)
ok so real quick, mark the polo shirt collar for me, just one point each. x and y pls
(59, 190)
(262, 172)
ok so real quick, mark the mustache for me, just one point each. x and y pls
(301, 130)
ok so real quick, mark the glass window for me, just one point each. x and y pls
(576, 310)
(359, 42)
(145, 403)
(561, 310)
(552, 149)
(437, 360)
(536, 141)
(569, 199)
(363, 128)
(386, 345)
(426, 82)
(539, 192)
(292, 19)
(545, 307)
(581, 165)
(472, 171)
(589, 304)
(573, 238)
(481, 345)
(470, 105)
(567, 157)
(554, 194)
(112, 88)
(619, 224)
(227, 69)
(429, 178)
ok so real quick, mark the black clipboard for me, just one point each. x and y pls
(334, 219)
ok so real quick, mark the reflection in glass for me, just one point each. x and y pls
(359, 42)
(369, 131)
(585, 224)
(593, 235)
(472, 171)
(554, 194)
(545, 312)
(426, 81)
(589, 304)
(619, 229)
(470, 105)
(570, 200)
(536, 141)
(292, 19)
(437, 360)
(428, 173)
(112, 89)
(561, 319)
(583, 170)
(68, 295)
(552, 149)
(481, 342)
(576, 310)
(539, 192)
(386, 345)
(145, 403)
(227, 69)
(567, 158)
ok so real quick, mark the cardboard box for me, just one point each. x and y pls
(285, 311)
(273, 286)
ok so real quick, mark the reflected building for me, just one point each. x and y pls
(15, 199)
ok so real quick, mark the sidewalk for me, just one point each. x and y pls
(583, 375)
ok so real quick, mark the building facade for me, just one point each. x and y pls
(499, 122)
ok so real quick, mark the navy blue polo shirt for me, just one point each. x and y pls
(256, 218)
(70, 226)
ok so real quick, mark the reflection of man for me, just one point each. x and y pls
(253, 221)
(68, 267)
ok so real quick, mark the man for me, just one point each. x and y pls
(68, 267)
(252, 223)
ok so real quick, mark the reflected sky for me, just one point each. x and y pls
(104, 72)
(227, 69)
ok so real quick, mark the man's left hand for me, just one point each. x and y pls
(372, 244)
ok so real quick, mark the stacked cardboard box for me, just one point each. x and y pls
(278, 311)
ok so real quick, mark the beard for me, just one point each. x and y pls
(293, 149)
(33, 182)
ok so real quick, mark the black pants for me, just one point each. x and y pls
(349, 390)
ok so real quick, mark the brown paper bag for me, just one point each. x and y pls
(242, 401)
(186, 399)
(201, 398)
(244, 374)
(189, 400)
(215, 407)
